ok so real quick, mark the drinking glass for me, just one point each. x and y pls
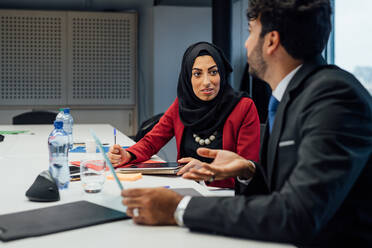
(92, 174)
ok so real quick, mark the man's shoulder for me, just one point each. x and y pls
(332, 91)
(333, 78)
(333, 73)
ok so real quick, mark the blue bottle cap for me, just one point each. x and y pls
(58, 124)
(66, 110)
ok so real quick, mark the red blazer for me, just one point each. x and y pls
(241, 134)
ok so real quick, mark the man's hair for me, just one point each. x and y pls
(303, 25)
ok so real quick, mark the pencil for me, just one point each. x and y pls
(114, 136)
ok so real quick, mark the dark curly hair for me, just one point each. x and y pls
(303, 25)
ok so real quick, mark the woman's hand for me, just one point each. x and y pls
(118, 156)
(225, 164)
(192, 163)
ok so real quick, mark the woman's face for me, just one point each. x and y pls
(205, 78)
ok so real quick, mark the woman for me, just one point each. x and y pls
(206, 113)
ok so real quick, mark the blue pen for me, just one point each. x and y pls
(114, 136)
(100, 147)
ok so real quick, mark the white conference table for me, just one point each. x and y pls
(24, 156)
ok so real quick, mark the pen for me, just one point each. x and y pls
(75, 178)
(83, 144)
(114, 136)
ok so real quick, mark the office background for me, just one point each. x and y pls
(165, 28)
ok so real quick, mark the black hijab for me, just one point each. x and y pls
(205, 117)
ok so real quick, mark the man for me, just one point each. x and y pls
(312, 186)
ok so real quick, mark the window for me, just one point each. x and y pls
(353, 38)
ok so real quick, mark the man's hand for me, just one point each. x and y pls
(156, 206)
(225, 164)
(194, 163)
(118, 156)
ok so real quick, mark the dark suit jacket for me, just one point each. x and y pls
(314, 183)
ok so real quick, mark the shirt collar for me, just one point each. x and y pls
(282, 86)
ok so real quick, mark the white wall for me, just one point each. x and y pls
(175, 28)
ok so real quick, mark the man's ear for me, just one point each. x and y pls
(272, 42)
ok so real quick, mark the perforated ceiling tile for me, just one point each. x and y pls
(102, 58)
(32, 57)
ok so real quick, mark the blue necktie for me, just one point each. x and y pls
(273, 106)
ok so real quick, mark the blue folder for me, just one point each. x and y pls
(82, 149)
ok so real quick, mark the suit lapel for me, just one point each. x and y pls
(272, 143)
(263, 152)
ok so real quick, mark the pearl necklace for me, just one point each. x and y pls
(206, 141)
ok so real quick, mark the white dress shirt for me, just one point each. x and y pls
(282, 86)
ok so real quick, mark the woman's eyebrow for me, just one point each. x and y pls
(201, 69)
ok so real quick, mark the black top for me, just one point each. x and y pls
(189, 145)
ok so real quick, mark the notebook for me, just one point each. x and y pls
(55, 219)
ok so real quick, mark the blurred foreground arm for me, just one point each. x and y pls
(155, 206)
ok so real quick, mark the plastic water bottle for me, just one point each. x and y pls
(68, 123)
(60, 117)
(60, 114)
(58, 155)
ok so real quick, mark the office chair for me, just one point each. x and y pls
(147, 126)
(35, 117)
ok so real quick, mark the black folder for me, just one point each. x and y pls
(55, 219)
